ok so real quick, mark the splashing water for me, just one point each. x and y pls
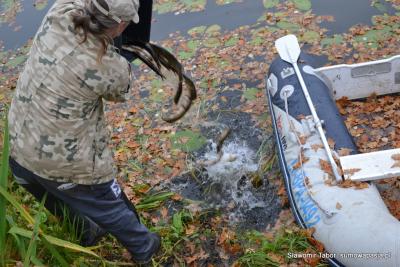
(229, 181)
(227, 185)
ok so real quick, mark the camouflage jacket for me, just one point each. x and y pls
(57, 124)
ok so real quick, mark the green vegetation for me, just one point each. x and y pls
(275, 252)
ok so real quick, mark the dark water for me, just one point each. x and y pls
(29, 20)
(346, 13)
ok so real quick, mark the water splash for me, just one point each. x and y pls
(227, 186)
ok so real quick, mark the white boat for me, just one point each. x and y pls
(354, 224)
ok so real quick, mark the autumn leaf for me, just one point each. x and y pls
(395, 157)
(325, 166)
(164, 212)
(344, 151)
(396, 165)
(315, 147)
(177, 197)
(351, 172)
(331, 143)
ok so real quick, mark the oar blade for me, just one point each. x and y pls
(288, 48)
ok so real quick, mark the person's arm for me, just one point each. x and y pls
(118, 92)
(113, 82)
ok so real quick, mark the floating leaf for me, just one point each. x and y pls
(270, 3)
(211, 42)
(213, 30)
(192, 46)
(165, 7)
(187, 140)
(310, 37)
(225, 2)
(302, 4)
(380, 6)
(40, 4)
(232, 41)
(257, 41)
(336, 39)
(183, 55)
(285, 25)
(16, 61)
(373, 36)
(197, 30)
(194, 5)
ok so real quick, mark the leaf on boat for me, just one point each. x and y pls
(331, 143)
(351, 172)
(307, 182)
(344, 151)
(299, 163)
(329, 182)
(396, 156)
(338, 206)
(302, 139)
(325, 166)
(396, 165)
(354, 184)
(315, 147)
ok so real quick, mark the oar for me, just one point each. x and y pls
(289, 50)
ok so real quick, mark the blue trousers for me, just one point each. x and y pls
(101, 205)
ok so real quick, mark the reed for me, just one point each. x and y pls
(37, 235)
(3, 185)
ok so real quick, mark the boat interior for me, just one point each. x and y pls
(368, 98)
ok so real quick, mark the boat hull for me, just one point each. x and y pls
(354, 224)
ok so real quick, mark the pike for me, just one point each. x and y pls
(164, 64)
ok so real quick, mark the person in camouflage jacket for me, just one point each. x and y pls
(58, 134)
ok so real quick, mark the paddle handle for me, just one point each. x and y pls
(317, 122)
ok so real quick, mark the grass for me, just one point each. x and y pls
(275, 252)
(18, 242)
(3, 185)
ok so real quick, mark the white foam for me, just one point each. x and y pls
(237, 160)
